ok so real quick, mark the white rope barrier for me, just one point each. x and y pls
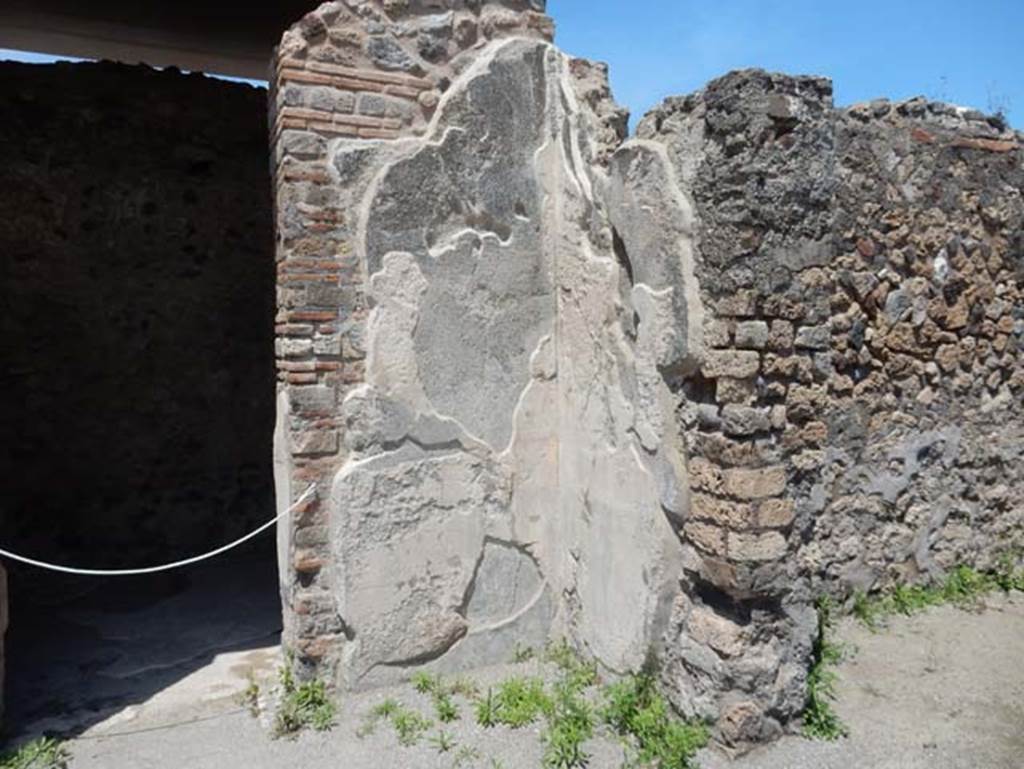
(167, 566)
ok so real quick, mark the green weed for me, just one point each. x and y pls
(250, 696)
(523, 654)
(409, 726)
(44, 753)
(304, 706)
(865, 609)
(576, 671)
(963, 586)
(634, 709)
(465, 687)
(426, 683)
(465, 756)
(447, 710)
(820, 721)
(382, 712)
(386, 709)
(570, 723)
(1007, 575)
(487, 710)
(521, 701)
(443, 742)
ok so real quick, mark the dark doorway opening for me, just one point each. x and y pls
(136, 350)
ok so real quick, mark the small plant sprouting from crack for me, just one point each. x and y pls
(521, 701)
(634, 709)
(250, 696)
(443, 742)
(409, 726)
(425, 683)
(442, 694)
(487, 710)
(465, 756)
(523, 654)
(578, 672)
(302, 705)
(821, 722)
(447, 710)
(382, 712)
(963, 587)
(570, 723)
(464, 687)
(44, 753)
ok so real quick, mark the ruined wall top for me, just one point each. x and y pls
(413, 37)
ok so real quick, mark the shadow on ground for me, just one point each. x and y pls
(92, 651)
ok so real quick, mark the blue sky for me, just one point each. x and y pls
(969, 53)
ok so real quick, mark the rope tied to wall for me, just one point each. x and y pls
(167, 566)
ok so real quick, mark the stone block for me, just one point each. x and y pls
(302, 144)
(760, 483)
(315, 442)
(812, 337)
(805, 403)
(705, 626)
(752, 334)
(756, 548)
(780, 335)
(709, 538)
(736, 364)
(314, 398)
(331, 100)
(717, 333)
(704, 475)
(737, 305)
(742, 420)
(732, 515)
(738, 391)
(776, 513)
(293, 348)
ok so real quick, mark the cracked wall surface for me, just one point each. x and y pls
(550, 382)
(473, 369)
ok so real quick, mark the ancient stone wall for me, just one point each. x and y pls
(136, 328)
(550, 382)
(754, 153)
(925, 406)
(856, 418)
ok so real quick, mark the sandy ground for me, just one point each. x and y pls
(944, 690)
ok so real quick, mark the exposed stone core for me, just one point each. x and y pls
(550, 382)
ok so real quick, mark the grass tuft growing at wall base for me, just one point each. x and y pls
(303, 706)
(570, 710)
(820, 721)
(44, 753)
(963, 586)
(635, 710)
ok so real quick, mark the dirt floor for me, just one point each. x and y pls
(944, 690)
